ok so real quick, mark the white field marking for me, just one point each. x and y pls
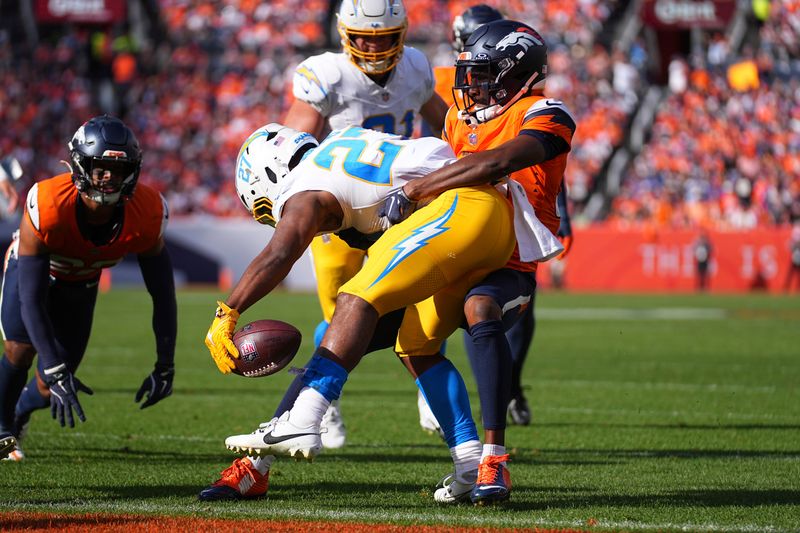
(656, 385)
(619, 313)
(130, 437)
(674, 414)
(265, 511)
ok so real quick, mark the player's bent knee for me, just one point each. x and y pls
(20, 354)
(418, 364)
(479, 308)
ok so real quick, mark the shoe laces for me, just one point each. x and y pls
(265, 427)
(236, 471)
(490, 468)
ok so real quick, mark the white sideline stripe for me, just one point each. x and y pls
(267, 512)
(619, 313)
(691, 414)
(656, 385)
(85, 435)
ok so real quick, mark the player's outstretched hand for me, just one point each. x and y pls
(64, 389)
(397, 206)
(157, 386)
(219, 338)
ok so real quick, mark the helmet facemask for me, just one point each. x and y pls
(364, 19)
(374, 62)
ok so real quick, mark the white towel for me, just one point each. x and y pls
(535, 241)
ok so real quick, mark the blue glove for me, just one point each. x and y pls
(397, 206)
(157, 386)
(64, 389)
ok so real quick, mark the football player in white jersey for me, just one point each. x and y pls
(421, 269)
(378, 83)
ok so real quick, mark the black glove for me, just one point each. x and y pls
(356, 239)
(397, 206)
(158, 385)
(64, 389)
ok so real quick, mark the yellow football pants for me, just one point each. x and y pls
(334, 264)
(429, 262)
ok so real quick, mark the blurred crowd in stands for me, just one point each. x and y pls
(724, 151)
(717, 153)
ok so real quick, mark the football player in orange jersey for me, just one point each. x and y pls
(74, 225)
(520, 335)
(501, 127)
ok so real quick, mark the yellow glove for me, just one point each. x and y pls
(218, 338)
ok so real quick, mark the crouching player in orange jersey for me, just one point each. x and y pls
(74, 225)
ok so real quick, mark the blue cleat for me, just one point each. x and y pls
(494, 481)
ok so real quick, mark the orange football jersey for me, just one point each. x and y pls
(542, 182)
(51, 210)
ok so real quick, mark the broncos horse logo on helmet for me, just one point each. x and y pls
(502, 62)
(518, 38)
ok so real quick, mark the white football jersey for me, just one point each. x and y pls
(332, 85)
(360, 167)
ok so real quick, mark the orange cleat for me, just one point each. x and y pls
(239, 481)
(494, 481)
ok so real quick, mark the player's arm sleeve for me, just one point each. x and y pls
(160, 283)
(34, 282)
(549, 122)
(311, 85)
(156, 267)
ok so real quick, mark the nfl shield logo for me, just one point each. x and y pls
(247, 351)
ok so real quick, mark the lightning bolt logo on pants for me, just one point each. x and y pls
(418, 238)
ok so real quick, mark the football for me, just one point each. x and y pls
(265, 347)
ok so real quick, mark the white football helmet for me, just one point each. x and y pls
(264, 161)
(365, 18)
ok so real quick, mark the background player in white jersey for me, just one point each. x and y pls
(378, 83)
(338, 186)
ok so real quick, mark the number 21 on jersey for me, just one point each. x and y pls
(349, 150)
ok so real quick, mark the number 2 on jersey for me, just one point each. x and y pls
(378, 173)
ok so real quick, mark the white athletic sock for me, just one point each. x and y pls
(492, 449)
(308, 409)
(466, 458)
(262, 464)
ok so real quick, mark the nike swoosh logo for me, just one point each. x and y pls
(270, 439)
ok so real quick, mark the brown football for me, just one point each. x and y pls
(265, 347)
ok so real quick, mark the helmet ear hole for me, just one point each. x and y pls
(271, 175)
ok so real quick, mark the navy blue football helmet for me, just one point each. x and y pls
(501, 62)
(105, 142)
(468, 21)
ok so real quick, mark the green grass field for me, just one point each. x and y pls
(650, 413)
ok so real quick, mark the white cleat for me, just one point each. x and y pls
(427, 421)
(332, 427)
(278, 437)
(452, 490)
